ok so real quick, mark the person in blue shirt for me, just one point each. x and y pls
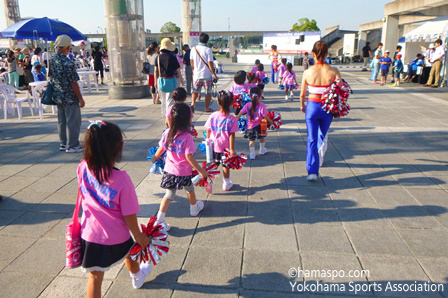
(385, 65)
(413, 66)
(38, 75)
(397, 70)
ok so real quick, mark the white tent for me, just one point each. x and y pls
(418, 40)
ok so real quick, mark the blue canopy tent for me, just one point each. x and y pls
(45, 28)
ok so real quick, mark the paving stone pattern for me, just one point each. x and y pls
(380, 204)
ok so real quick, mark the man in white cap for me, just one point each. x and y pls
(66, 94)
(428, 64)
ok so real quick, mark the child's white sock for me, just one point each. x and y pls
(262, 145)
(252, 150)
(160, 216)
(227, 180)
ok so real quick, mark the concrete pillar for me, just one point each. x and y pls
(232, 46)
(191, 21)
(362, 39)
(391, 33)
(126, 48)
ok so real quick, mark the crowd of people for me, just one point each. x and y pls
(107, 195)
(383, 64)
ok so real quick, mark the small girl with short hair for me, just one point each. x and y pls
(257, 112)
(239, 85)
(290, 82)
(221, 127)
(110, 205)
(281, 71)
(179, 95)
(255, 67)
(260, 75)
(179, 163)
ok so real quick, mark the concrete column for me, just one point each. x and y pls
(191, 21)
(391, 33)
(126, 48)
(232, 46)
(362, 39)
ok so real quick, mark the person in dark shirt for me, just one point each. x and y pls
(165, 71)
(98, 62)
(366, 54)
(188, 70)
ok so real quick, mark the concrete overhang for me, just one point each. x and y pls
(404, 20)
(210, 33)
(417, 7)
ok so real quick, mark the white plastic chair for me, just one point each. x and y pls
(10, 98)
(38, 91)
(4, 78)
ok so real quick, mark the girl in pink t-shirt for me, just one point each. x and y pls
(251, 80)
(259, 76)
(239, 86)
(256, 110)
(221, 128)
(179, 163)
(290, 82)
(110, 205)
(281, 71)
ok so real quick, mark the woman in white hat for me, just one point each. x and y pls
(166, 67)
(27, 66)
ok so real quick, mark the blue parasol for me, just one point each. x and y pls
(45, 28)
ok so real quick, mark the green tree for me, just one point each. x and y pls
(169, 27)
(305, 24)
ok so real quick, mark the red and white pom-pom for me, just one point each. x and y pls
(205, 182)
(237, 101)
(158, 245)
(234, 162)
(193, 131)
(335, 98)
(276, 117)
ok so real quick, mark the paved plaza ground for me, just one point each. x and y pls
(381, 203)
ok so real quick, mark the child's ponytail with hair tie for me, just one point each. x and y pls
(175, 95)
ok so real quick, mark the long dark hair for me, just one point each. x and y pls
(289, 67)
(180, 121)
(103, 145)
(225, 100)
(255, 95)
(152, 48)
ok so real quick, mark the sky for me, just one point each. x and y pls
(251, 15)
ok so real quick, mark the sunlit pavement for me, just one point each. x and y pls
(380, 204)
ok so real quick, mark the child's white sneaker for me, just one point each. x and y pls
(252, 155)
(312, 177)
(286, 97)
(138, 279)
(227, 186)
(194, 210)
(263, 151)
(166, 226)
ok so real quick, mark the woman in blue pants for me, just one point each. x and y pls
(316, 80)
(275, 57)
